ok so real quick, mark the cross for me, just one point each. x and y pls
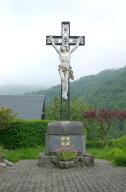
(65, 140)
(65, 39)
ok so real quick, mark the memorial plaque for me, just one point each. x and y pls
(65, 135)
(65, 140)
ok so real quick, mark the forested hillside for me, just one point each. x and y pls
(104, 90)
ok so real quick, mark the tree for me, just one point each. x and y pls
(105, 119)
(6, 115)
(76, 109)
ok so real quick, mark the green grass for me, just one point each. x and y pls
(99, 153)
(23, 153)
(116, 155)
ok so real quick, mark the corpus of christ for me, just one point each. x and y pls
(64, 68)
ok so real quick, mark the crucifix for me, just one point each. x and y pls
(65, 70)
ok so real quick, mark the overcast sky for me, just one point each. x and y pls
(25, 58)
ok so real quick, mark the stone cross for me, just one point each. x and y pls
(65, 38)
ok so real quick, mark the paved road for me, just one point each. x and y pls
(26, 176)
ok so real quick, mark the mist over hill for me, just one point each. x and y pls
(107, 89)
(18, 89)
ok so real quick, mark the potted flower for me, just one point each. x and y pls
(66, 159)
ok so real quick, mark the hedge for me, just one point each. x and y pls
(24, 133)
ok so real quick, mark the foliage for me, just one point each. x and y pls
(23, 153)
(66, 155)
(24, 133)
(104, 90)
(105, 118)
(6, 116)
(76, 109)
(119, 158)
(116, 155)
(97, 143)
(120, 142)
(2, 151)
(99, 153)
(53, 110)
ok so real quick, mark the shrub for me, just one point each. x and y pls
(98, 143)
(24, 133)
(66, 155)
(119, 158)
(2, 151)
(120, 142)
(6, 116)
(110, 154)
(91, 143)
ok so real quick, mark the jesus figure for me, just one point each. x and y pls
(65, 70)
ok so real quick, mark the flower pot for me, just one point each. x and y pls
(65, 164)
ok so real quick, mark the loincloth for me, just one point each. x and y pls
(64, 69)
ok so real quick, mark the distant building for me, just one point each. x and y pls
(26, 107)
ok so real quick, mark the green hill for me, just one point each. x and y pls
(104, 90)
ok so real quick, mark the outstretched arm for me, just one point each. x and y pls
(53, 43)
(77, 44)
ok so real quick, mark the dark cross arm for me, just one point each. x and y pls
(65, 38)
(73, 40)
(59, 41)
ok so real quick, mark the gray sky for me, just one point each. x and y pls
(24, 24)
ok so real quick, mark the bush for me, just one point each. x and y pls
(119, 158)
(6, 116)
(120, 142)
(94, 144)
(116, 155)
(66, 155)
(110, 154)
(24, 133)
(2, 151)
(98, 143)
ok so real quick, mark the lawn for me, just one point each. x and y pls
(23, 153)
(116, 155)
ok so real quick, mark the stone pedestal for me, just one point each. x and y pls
(65, 135)
(68, 136)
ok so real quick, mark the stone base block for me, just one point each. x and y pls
(65, 164)
(86, 161)
(51, 161)
(45, 160)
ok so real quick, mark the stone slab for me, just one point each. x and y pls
(65, 128)
(55, 143)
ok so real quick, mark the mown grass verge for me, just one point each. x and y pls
(116, 155)
(23, 153)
